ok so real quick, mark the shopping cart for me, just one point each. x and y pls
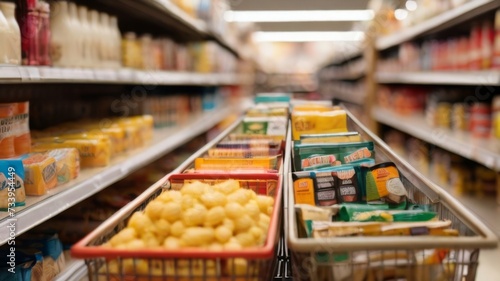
(247, 264)
(391, 258)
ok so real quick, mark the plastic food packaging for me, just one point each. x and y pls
(331, 138)
(318, 122)
(11, 180)
(67, 164)
(95, 150)
(314, 156)
(40, 173)
(383, 182)
(272, 126)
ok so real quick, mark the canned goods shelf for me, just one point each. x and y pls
(483, 151)
(438, 23)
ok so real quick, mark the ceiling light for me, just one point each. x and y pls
(298, 16)
(400, 14)
(309, 36)
(411, 5)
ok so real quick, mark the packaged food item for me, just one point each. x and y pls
(331, 138)
(40, 173)
(24, 266)
(230, 164)
(7, 112)
(496, 110)
(241, 152)
(94, 150)
(396, 216)
(349, 190)
(21, 129)
(273, 126)
(318, 122)
(326, 188)
(12, 191)
(51, 248)
(314, 156)
(480, 120)
(67, 163)
(322, 229)
(383, 182)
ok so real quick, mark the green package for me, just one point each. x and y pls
(315, 156)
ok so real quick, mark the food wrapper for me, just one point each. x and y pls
(11, 180)
(318, 123)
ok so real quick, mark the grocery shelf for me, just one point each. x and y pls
(483, 151)
(485, 208)
(438, 23)
(41, 208)
(346, 55)
(171, 18)
(473, 78)
(31, 74)
(338, 93)
(75, 270)
(354, 75)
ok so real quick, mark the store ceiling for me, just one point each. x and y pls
(259, 5)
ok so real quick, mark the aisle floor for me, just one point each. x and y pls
(489, 269)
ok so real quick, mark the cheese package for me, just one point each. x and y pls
(314, 122)
(94, 150)
(40, 173)
(272, 126)
(67, 163)
(12, 192)
(331, 138)
(230, 164)
(14, 129)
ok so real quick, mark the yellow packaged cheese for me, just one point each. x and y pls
(40, 173)
(314, 122)
(67, 163)
(94, 150)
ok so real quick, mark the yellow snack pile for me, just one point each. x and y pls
(222, 216)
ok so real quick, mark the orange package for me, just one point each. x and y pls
(22, 137)
(7, 111)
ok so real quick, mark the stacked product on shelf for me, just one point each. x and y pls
(217, 219)
(67, 35)
(417, 12)
(477, 50)
(462, 176)
(445, 108)
(340, 189)
(37, 256)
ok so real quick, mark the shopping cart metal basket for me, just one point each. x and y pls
(391, 258)
(185, 264)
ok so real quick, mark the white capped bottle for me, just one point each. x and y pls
(95, 39)
(105, 44)
(4, 37)
(117, 39)
(86, 34)
(77, 38)
(61, 50)
(13, 45)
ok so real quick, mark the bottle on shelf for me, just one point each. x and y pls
(496, 47)
(44, 34)
(87, 36)
(116, 54)
(63, 41)
(12, 45)
(96, 38)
